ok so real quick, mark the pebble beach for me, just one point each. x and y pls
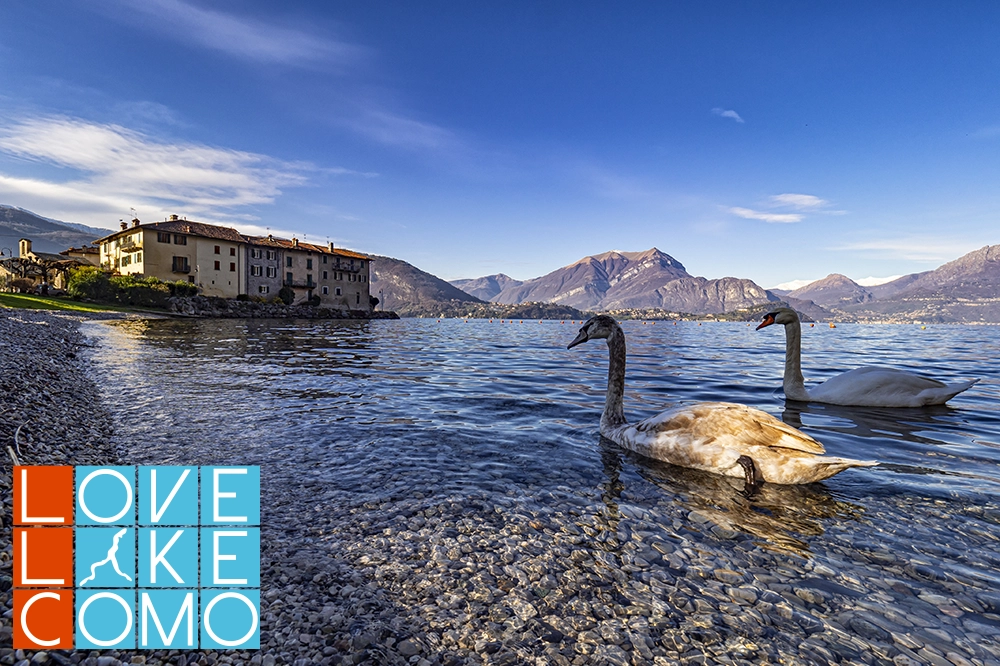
(538, 572)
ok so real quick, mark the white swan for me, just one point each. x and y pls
(720, 437)
(872, 386)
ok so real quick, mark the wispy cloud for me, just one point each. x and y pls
(787, 208)
(774, 218)
(799, 201)
(874, 281)
(727, 113)
(100, 171)
(792, 285)
(238, 36)
(396, 130)
(926, 249)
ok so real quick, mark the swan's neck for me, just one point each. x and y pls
(614, 412)
(794, 384)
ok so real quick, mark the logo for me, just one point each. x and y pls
(136, 558)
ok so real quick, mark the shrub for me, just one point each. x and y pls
(90, 282)
(243, 297)
(314, 300)
(287, 295)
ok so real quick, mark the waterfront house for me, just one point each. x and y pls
(223, 262)
(339, 278)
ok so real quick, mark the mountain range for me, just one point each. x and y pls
(631, 284)
(46, 235)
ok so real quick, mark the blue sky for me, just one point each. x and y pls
(776, 141)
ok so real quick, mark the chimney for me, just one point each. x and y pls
(295, 242)
(124, 225)
(135, 222)
(270, 237)
(173, 218)
(331, 247)
(187, 227)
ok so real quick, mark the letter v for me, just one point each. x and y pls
(155, 514)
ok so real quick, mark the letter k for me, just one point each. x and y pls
(156, 558)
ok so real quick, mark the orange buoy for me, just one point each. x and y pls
(811, 325)
(832, 325)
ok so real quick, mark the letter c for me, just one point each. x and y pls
(24, 619)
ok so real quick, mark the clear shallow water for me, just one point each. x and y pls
(379, 413)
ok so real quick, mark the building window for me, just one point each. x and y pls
(326, 290)
(359, 298)
(255, 253)
(338, 291)
(191, 279)
(271, 254)
(138, 257)
(232, 252)
(324, 275)
(309, 280)
(288, 278)
(218, 250)
(263, 289)
(309, 264)
(217, 265)
(232, 266)
(255, 271)
(288, 262)
(180, 265)
(180, 240)
(272, 272)
(324, 258)
(162, 237)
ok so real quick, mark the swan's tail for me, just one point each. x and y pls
(827, 466)
(939, 396)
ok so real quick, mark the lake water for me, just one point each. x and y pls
(371, 423)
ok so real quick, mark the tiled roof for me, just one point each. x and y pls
(85, 250)
(226, 233)
(184, 227)
(287, 244)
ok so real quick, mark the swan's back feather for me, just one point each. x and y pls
(738, 425)
(876, 386)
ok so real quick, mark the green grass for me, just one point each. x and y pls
(31, 302)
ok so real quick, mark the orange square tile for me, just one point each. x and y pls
(43, 557)
(43, 619)
(43, 495)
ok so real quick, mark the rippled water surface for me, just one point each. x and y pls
(384, 411)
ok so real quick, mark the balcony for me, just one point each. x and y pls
(299, 284)
(130, 246)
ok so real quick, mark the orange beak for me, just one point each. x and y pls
(768, 320)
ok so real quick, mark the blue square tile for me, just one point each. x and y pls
(105, 495)
(230, 495)
(105, 619)
(230, 557)
(168, 495)
(168, 557)
(105, 557)
(168, 619)
(230, 619)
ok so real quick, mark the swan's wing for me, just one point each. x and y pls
(724, 423)
(873, 384)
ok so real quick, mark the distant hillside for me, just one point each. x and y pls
(411, 292)
(46, 235)
(964, 290)
(650, 280)
(834, 290)
(488, 287)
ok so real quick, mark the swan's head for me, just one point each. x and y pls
(601, 326)
(779, 316)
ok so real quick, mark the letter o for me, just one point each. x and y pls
(128, 493)
(83, 626)
(208, 625)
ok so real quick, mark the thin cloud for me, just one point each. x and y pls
(239, 36)
(799, 201)
(108, 169)
(727, 113)
(773, 218)
(792, 285)
(924, 248)
(875, 281)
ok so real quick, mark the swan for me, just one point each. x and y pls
(721, 437)
(871, 386)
